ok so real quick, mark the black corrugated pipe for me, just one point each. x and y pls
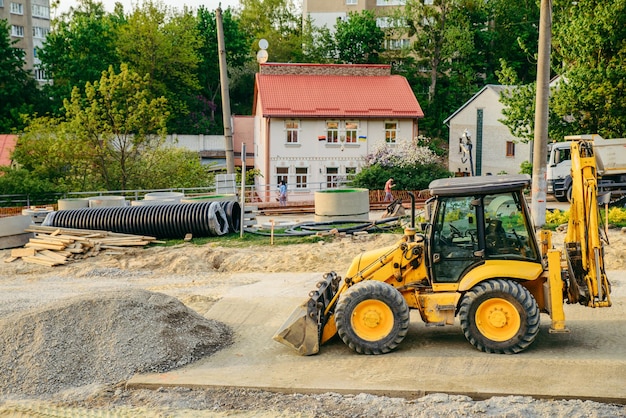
(161, 221)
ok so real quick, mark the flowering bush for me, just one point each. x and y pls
(403, 154)
(411, 165)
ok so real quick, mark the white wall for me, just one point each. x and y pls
(315, 154)
(495, 137)
(197, 143)
(328, 19)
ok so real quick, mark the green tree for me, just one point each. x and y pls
(277, 21)
(359, 40)
(18, 89)
(50, 158)
(589, 38)
(447, 69)
(238, 45)
(318, 44)
(430, 25)
(589, 51)
(163, 44)
(173, 167)
(120, 122)
(80, 47)
(112, 138)
(512, 38)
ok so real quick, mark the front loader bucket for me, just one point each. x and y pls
(302, 331)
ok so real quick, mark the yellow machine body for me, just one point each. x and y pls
(479, 261)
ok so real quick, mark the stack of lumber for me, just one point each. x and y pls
(52, 246)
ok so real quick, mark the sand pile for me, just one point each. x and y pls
(101, 339)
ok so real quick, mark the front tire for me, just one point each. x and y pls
(372, 317)
(499, 316)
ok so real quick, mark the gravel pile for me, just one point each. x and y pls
(101, 339)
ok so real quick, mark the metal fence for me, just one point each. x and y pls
(14, 204)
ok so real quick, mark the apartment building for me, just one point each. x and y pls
(327, 12)
(29, 23)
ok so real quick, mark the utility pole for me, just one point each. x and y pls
(228, 131)
(540, 146)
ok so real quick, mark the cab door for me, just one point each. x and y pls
(454, 242)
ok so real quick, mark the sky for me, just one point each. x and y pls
(128, 4)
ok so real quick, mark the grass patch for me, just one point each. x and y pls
(250, 239)
(281, 237)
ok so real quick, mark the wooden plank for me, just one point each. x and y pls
(54, 239)
(53, 255)
(22, 252)
(41, 260)
(39, 246)
(134, 241)
(47, 241)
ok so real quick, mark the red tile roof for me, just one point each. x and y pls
(337, 96)
(7, 145)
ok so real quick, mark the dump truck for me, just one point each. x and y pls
(610, 161)
(478, 260)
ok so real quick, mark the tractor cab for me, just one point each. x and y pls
(476, 219)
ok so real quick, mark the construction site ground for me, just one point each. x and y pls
(253, 291)
(589, 362)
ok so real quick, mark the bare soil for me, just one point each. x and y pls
(72, 335)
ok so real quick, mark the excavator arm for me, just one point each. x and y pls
(588, 284)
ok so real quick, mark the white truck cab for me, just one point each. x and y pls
(610, 161)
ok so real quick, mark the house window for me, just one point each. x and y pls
(350, 173)
(351, 2)
(17, 31)
(292, 127)
(17, 8)
(282, 174)
(510, 149)
(40, 11)
(352, 130)
(391, 132)
(301, 177)
(332, 131)
(332, 177)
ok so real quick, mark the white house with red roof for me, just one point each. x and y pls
(315, 123)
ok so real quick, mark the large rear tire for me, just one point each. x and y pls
(372, 317)
(499, 316)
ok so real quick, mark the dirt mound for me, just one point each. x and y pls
(101, 339)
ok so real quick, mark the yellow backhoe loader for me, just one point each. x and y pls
(479, 259)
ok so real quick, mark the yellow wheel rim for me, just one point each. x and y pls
(372, 320)
(498, 319)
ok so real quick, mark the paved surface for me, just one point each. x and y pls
(588, 363)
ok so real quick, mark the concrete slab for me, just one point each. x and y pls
(588, 363)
